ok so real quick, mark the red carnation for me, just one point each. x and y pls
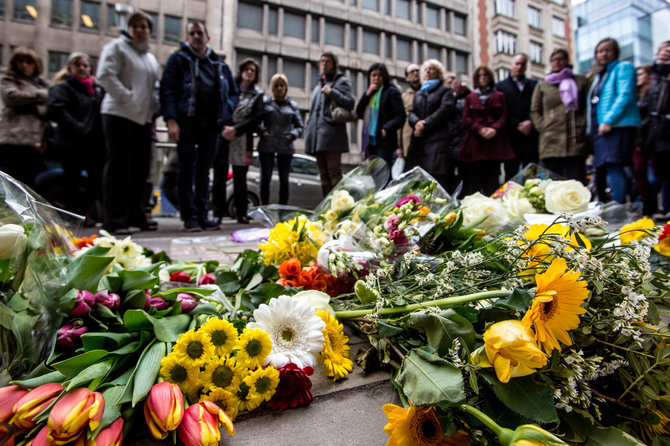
(293, 389)
(180, 276)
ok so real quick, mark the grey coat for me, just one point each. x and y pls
(322, 133)
(283, 123)
(24, 108)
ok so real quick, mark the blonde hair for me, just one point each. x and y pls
(71, 60)
(279, 77)
(435, 64)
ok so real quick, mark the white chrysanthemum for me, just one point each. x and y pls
(125, 252)
(295, 331)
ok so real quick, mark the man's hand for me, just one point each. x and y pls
(398, 152)
(419, 127)
(604, 128)
(228, 132)
(383, 133)
(525, 127)
(173, 130)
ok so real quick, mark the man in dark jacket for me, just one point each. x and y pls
(518, 90)
(197, 97)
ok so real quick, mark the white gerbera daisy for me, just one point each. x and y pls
(296, 332)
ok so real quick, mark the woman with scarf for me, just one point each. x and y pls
(432, 111)
(246, 117)
(74, 105)
(558, 112)
(383, 114)
(485, 144)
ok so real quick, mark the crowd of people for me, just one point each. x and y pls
(103, 125)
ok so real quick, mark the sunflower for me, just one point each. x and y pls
(556, 305)
(335, 353)
(247, 398)
(263, 382)
(295, 331)
(253, 347)
(193, 349)
(221, 333)
(222, 373)
(418, 426)
(174, 372)
(224, 399)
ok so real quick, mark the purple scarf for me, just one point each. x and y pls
(567, 88)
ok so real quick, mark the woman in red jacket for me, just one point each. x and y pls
(485, 144)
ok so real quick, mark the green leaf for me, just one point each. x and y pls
(520, 300)
(97, 370)
(6, 316)
(442, 328)
(256, 280)
(112, 409)
(107, 341)
(525, 396)
(127, 349)
(72, 366)
(608, 436)
(168, 329)
(388, 330)
(267, 290)
(147, 370)
(135, 299)
(427, 379)
(31, 383)
(137, 280)
(85, 271)
(111, 282)
(137, 320)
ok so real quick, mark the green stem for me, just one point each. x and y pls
(502, 433)
(453, 300)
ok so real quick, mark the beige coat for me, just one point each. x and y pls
(24, 107)
(405, 132)
(561, 134)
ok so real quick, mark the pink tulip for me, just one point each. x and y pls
(207, 279)
(69, 335)
(163, 409)
(72, 413)
(112, 435)
(33, 403)
(157, 302)
(180, 276)
(83, 303)
(200, 425)
(188, 302)
(109, 300)
(40, 439)
(9, 396)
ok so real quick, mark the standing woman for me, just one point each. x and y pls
(281, 126)
(383, 114)
(558, 112)
(24, 94)
(246, 117)
(613, 118)
(74, 104)
(432, 110)
(129, 74)
(485, 144)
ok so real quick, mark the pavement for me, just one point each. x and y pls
(348, 412)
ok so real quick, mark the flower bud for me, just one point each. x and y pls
(180, 276)
(163, 409)
(12, 240)
(83, 303)
(9, 396)
(69, 335)
(72, 413)
(33, 403)
(109, 300)
(188, 302)
(206, 279)
(157, 302)
(200, 425)
(112, 435)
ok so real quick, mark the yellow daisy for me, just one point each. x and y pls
(222, 373)
(335, 353)
(174, 372)
(193, 349)
(556, 306)
(253, 348)
(418, 426)
(263, 382)
(636, 230)
(224, 399)
(247, 397)
(222, 334)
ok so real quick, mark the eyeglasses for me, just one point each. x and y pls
(416, 70)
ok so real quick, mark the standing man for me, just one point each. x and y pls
(326, 138)
(194, 90)
(518, 91)
(405, 133)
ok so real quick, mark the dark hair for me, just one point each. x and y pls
(475, 76)
(243, 65)
(615, 44)
(192, 22)
(22, 52)
(138, 16)
(332, 57)
(383, 70)
(562, 51)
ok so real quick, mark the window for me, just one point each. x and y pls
(294, 25)
(459, 25)
(403, 49)
(505, 42)
(505, 7)
(57, 61)
(370, 42)
(171, 29)
(402, 9)
(113, 20)
(461, 63)
(353, 132)
(334, 34)
(433, 52)
(272, 68)
(25, 10)
(557, 27)
(315, 29)
(371, 4)
(2, 14)
(273, 18)
(250, 16)
(154, 29)
(388, 53)
(90, 16)
(94, 63)
(534, 17)
(315, 75)
(502, 73)
(417, 13)
(432, 17)
(535, 53)
(353, 39)
(61, 13)
(295, 73)
(387, 7)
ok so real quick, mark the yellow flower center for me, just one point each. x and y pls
(194, 350)
(222, 376)
(219, 338)
(254, 348)
(178, 374)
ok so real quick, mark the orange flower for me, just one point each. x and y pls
(33, 403)
(163, 409)
(9, 396)
(72, 413)
(290, 268)
(83, 242)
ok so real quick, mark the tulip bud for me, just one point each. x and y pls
(109, 300)
(112, 435)
(40, 439)
(200, 425)
(9, 396)
(12, 240)
(72, 413)
(83, 303)
(180, 276)
(206, 279)
(69, 335)
(163, 409)
(188, 302)
(157, 302)
(33, 403)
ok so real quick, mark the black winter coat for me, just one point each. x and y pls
(518, 110)
(391, 116)
(656, 118)
(280, 119)
(431, 150)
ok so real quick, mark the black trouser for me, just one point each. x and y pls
(126, 171)
(283, 166)
(481, 176)
(196, 149)
(569, 167)
(90, 157)
(221, 167)
(240, 184)
(21, 162)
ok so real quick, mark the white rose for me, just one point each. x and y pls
(341, 201)
(477, 207)
(566, 196)
(316, 299)
(12, 240)
(516, 206)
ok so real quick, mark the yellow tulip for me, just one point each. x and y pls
(72, 413)
(164, 409)
(200, 426)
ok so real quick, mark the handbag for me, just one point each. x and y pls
(341, 114)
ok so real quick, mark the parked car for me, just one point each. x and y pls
(304, 184)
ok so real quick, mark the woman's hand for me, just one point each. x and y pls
(326, 89)
(383, 133)
(419, 127)
(487, 132)
(372, 89)
(603, 129)
(228, 132)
